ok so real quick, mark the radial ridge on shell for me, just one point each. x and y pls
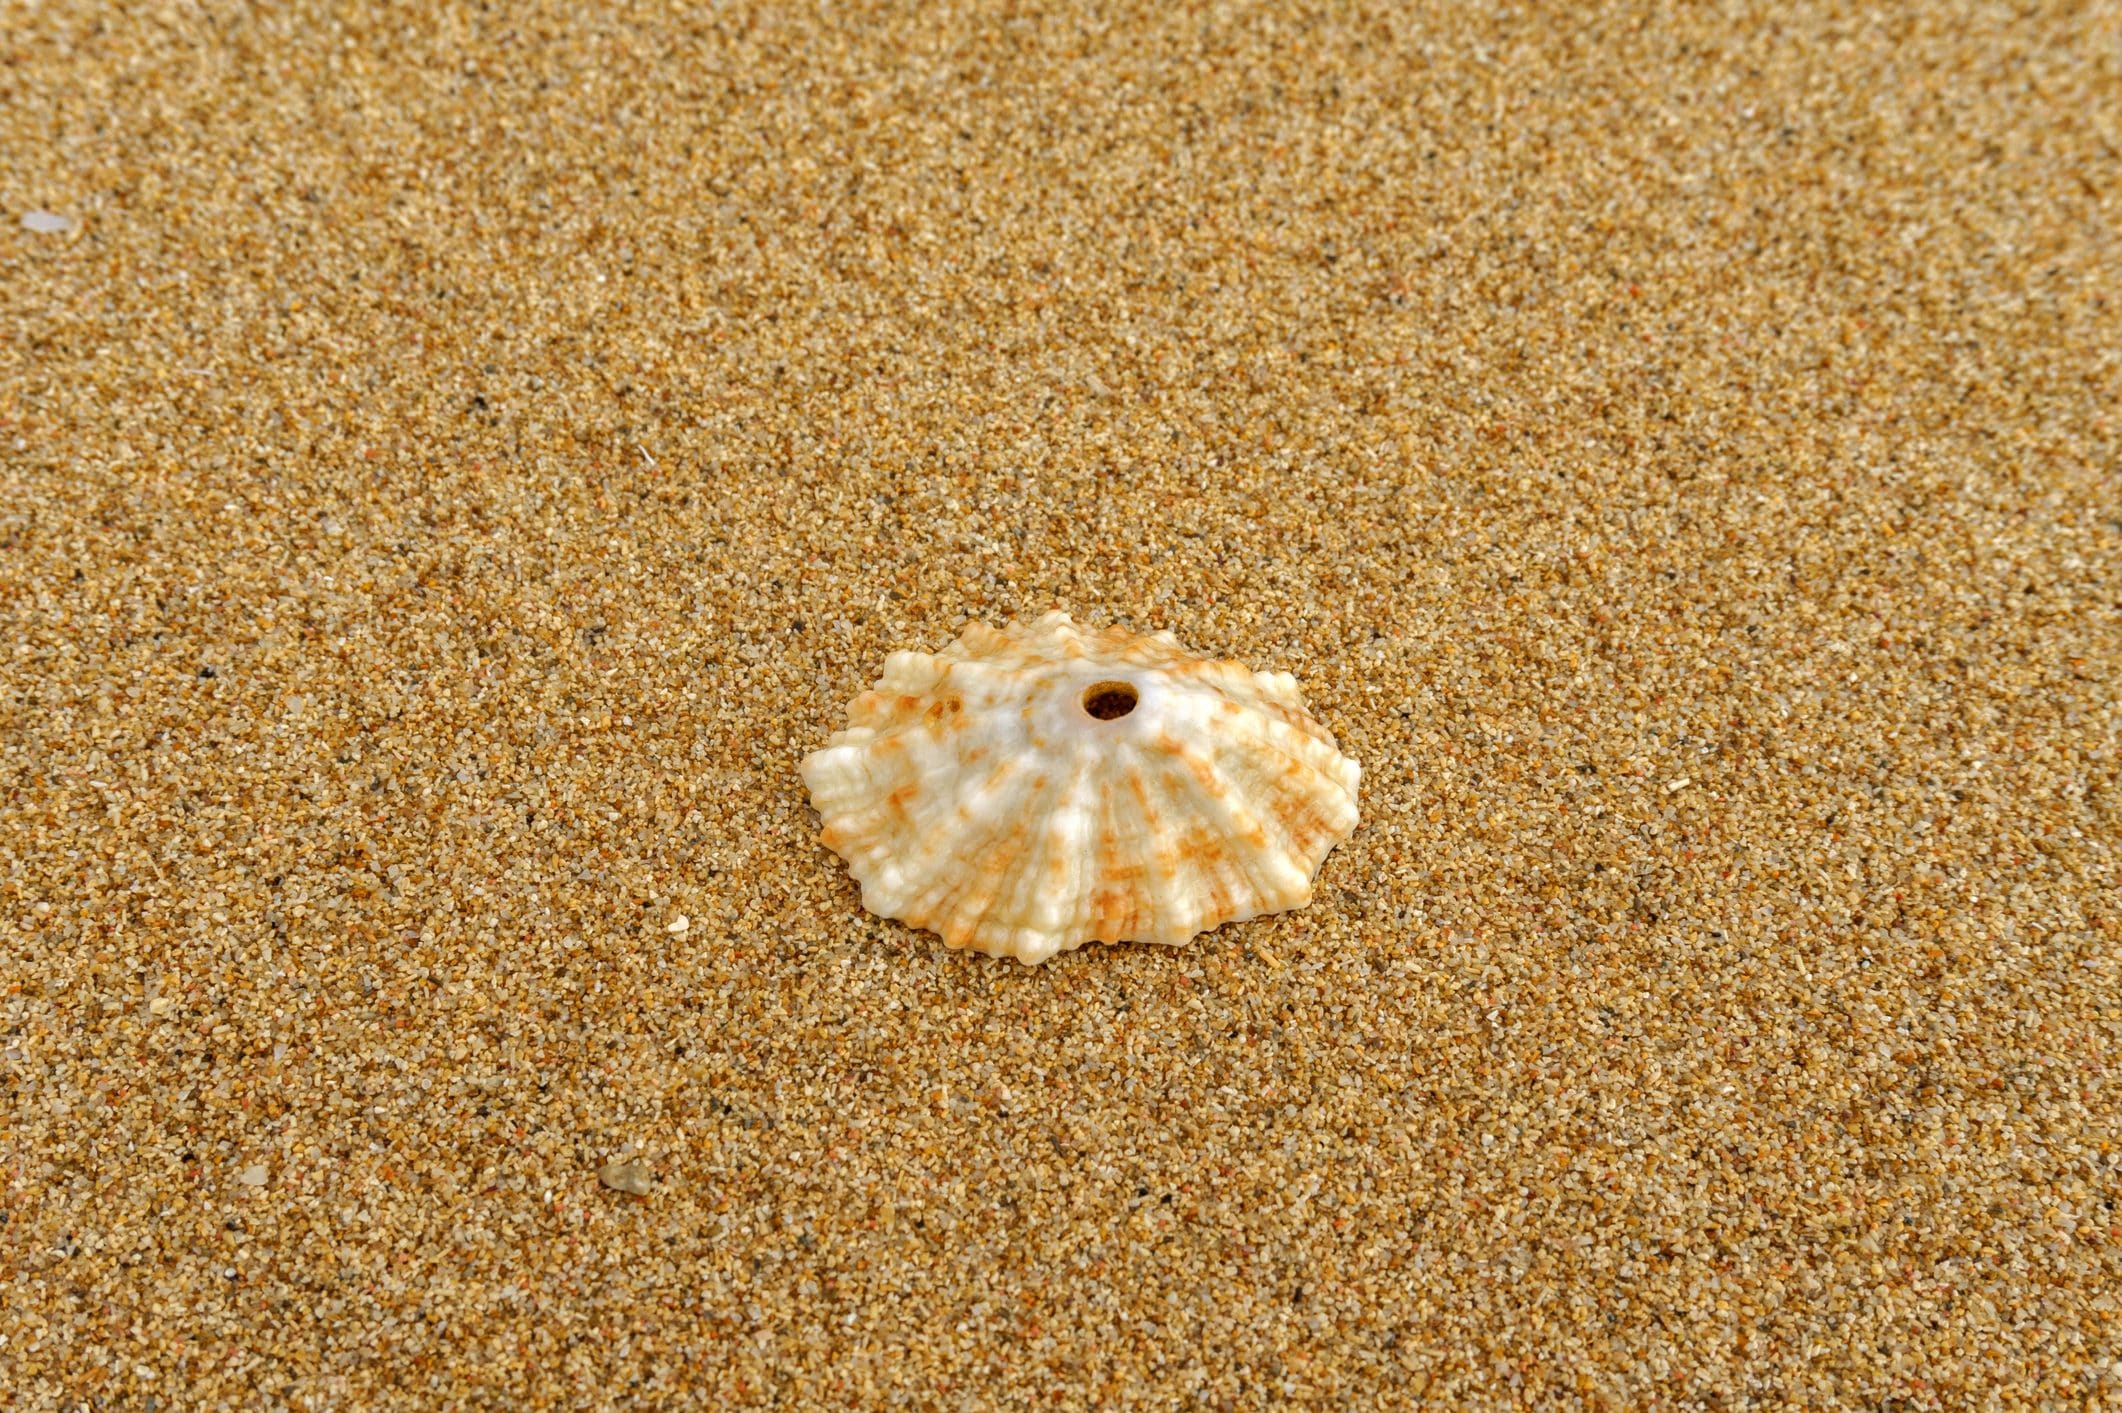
(1032, 788)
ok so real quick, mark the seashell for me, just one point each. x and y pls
(1028, 790)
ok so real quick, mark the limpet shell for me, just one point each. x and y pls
(1030, 789)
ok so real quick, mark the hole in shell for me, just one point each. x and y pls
(1109, 701)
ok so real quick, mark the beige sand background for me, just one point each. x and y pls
(456, 465)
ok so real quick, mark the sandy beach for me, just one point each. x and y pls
(453, 466)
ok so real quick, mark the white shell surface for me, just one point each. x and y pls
(975, 794)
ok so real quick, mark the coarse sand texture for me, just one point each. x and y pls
(456, 463)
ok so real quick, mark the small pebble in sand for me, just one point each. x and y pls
(628, 1176)
(253, 1176)
(47, 222)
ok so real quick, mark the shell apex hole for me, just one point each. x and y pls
(1109, 701)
